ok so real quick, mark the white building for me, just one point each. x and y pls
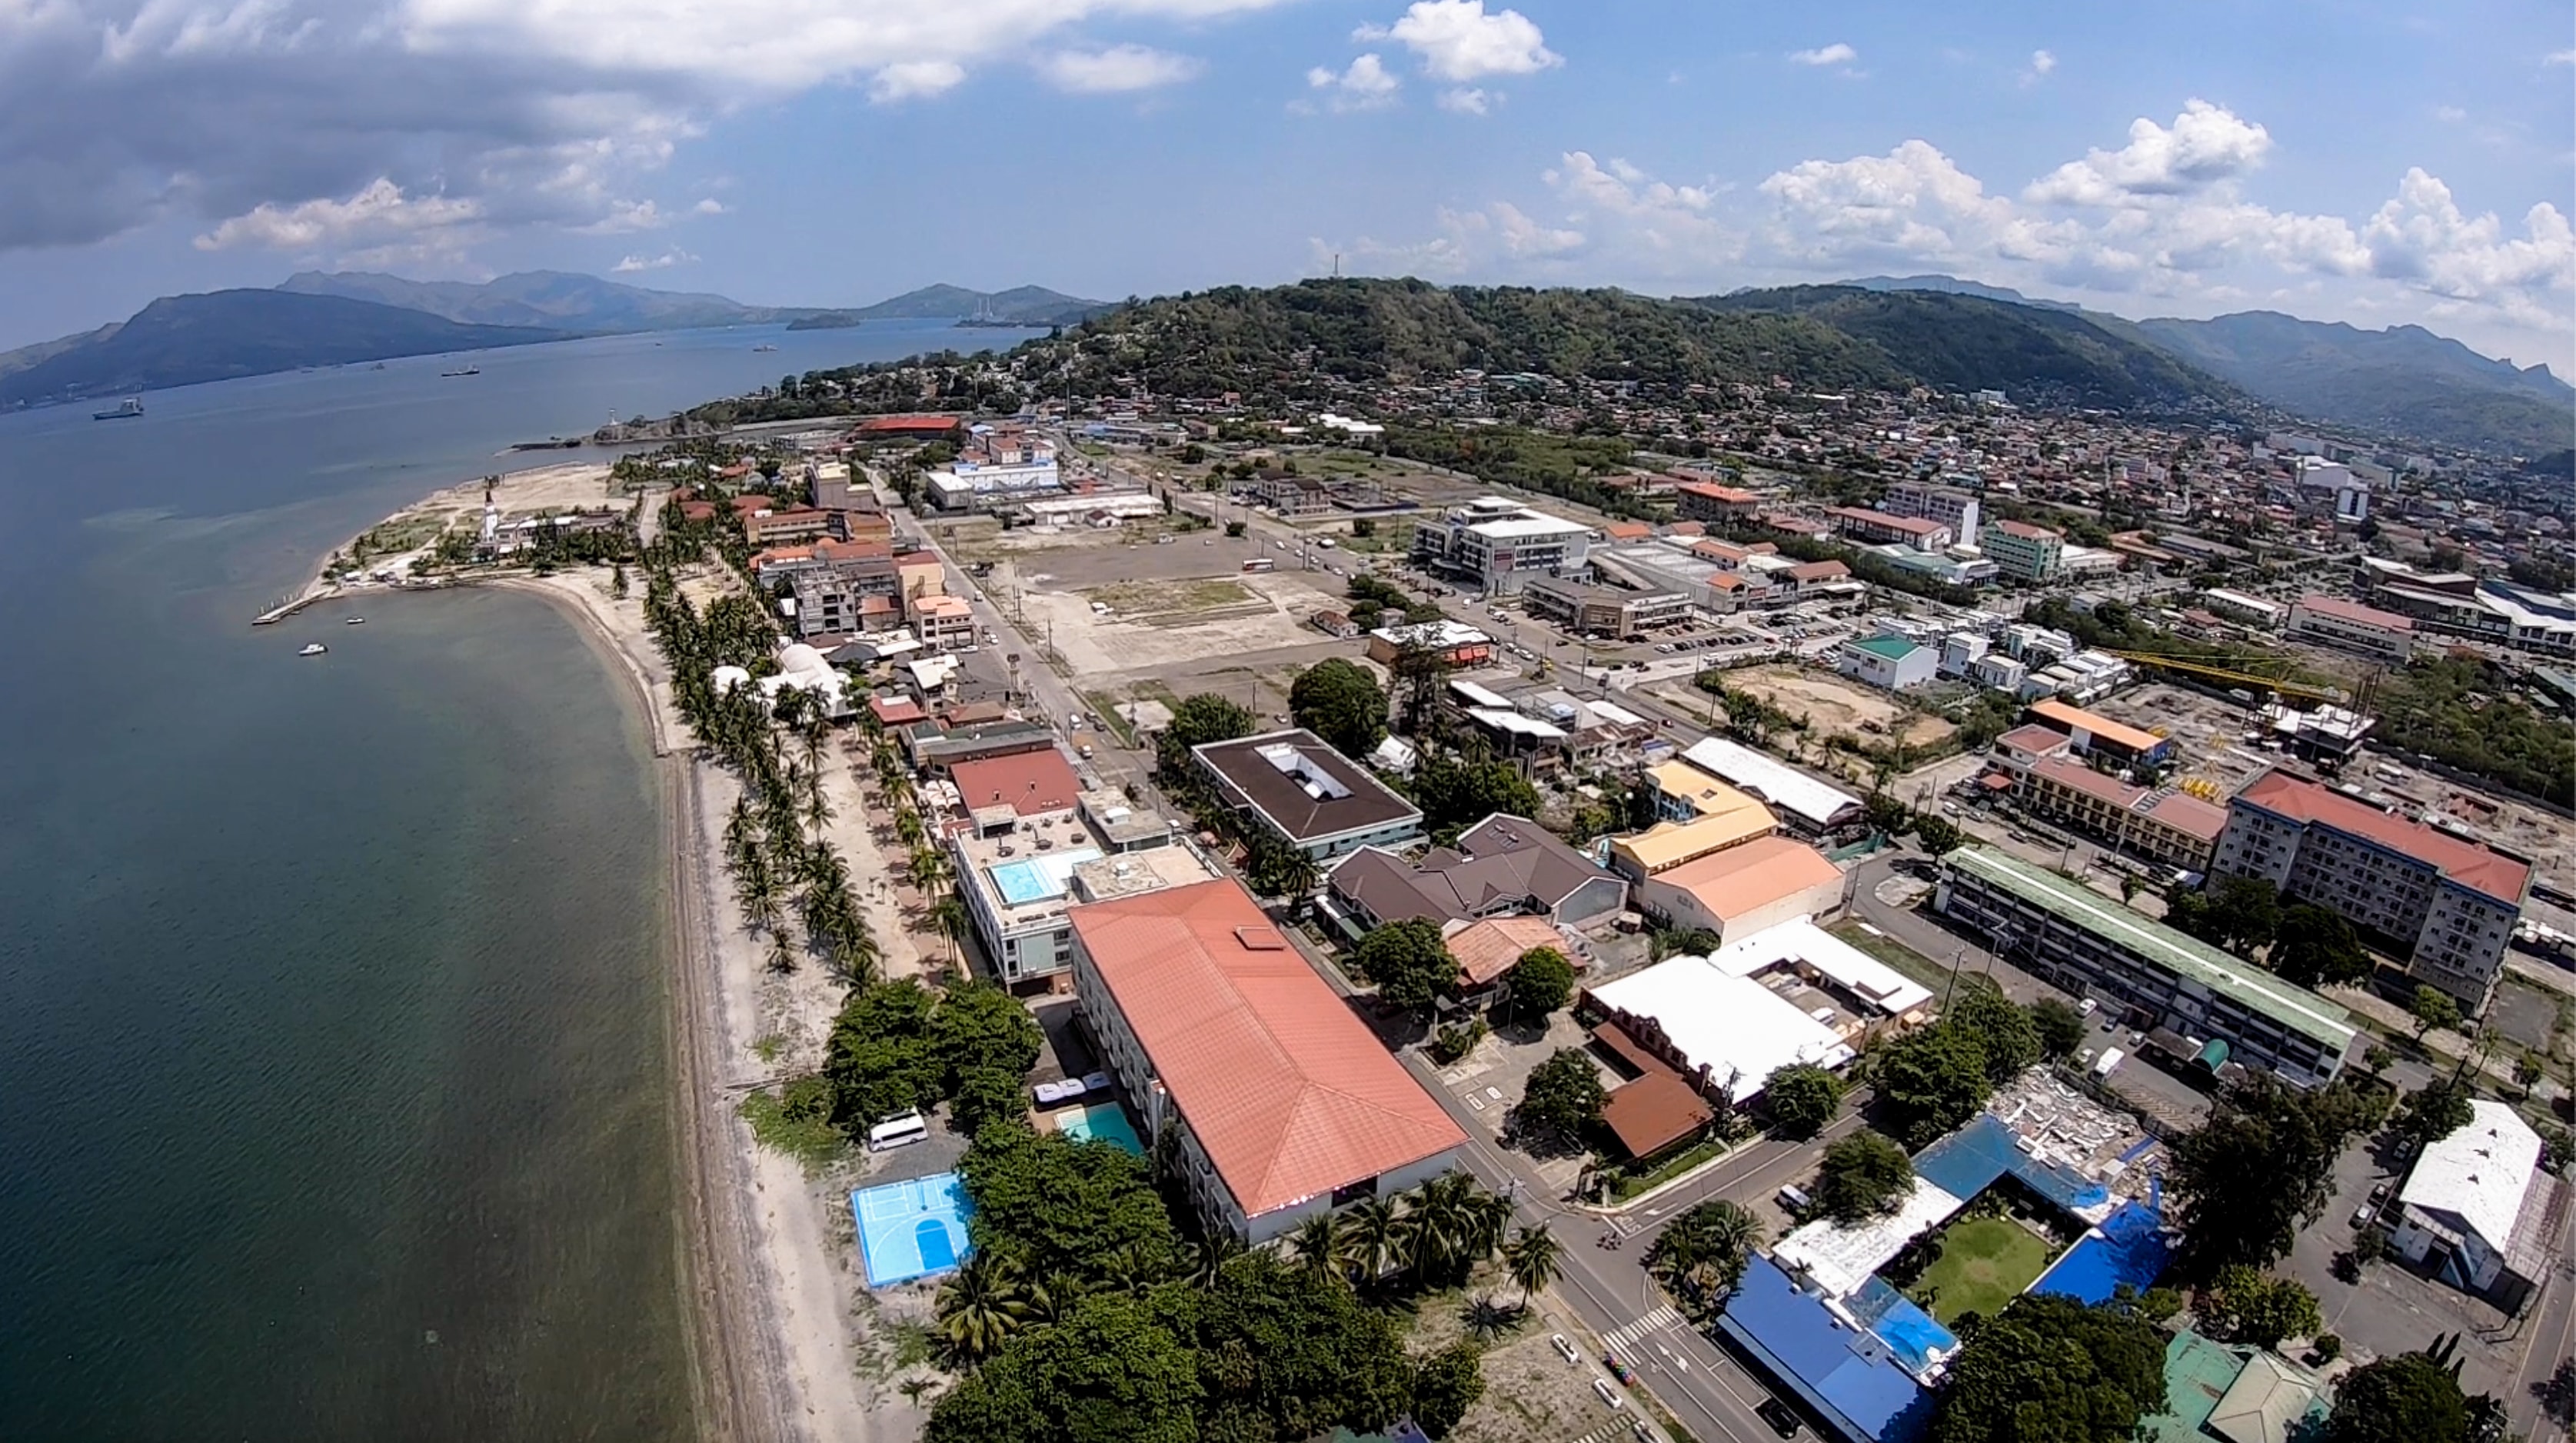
(2239, 606)
(1891, 663)
(1806, 805)
(1948, 505)
(2349, 493)
(2353, 627)
(2476, 1210)
(1500, 544)
(1716, 1027)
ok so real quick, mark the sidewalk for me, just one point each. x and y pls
(2445, 1048)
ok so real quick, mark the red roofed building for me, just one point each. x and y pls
(2351, 626)
(1282, 1103)
(802, 523)
(1706, 501)
(1001, 792)
(2443, 903)
(905, 428)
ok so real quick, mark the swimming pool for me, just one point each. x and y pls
(912, 1229)
(1023, 880)
(1100, 1122)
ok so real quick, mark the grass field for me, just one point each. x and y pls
(1984, 1264)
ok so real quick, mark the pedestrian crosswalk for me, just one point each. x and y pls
(1654, 1322)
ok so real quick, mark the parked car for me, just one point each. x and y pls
(1564, 1349)
(1777, 1414)
(1607, 1393)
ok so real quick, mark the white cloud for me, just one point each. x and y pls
(2206, 144)
(2422, 238)
(708, 206)
(662, 262)
(1459, 42)
(1118, 69)
(2559, 57)
(1523, 238)
(1835, 54)
(2041, 62)
(375, 215)
(1364, 85)
(1466, 101)
(2449, 114)
(914, 80)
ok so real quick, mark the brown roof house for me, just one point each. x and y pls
(1502, 866)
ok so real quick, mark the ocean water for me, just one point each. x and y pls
(334, 1019)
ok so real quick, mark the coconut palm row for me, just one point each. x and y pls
(1430, 1237)
(928, 865)
(774, 849)
(1701, 1257)
(991, 1298)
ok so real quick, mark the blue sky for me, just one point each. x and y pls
(2364, 162)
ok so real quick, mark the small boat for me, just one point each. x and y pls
(131, 408)
(468, 371)
(313, 648)
(378, 366)
(355, 621)
(764, 347)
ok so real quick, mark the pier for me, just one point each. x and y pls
(292, 605)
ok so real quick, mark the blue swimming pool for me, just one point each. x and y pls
(912, 1229)
(1100, 1122)
(1034, 879)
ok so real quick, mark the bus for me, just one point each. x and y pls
(1261, 563)
(900, 1131)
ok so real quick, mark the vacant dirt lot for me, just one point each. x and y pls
(1168, 641)
(1833, 705)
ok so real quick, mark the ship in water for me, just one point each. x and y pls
(468, 371)
(129, 409)
(764, 347)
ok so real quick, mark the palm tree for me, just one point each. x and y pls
(948, 914)
(1535, 1259)
(1209, 1257)
(1486, 1319)
(981, 1306)
(1375, 1229)
(1323, 1245)
(1701, 1256)
(1129, 1269)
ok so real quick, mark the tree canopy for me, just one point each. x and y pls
(2002, 1027)
(2432, 1007)
(1340, 702)
(2048, 1369)
(1063, 1208)
(1701, 1257)
(1864, 1175)
(2434, 1111)
(2060, 1027)
(1540, 982)
(896, 1047)
(1932, 1080)
(1562, 1094)
(2315, 947)
(2239, 914)
(1801, 1098)
(1198, 720)
(2245, 1182)
(2248, 1305)
(1408, 962)
(2405, 1399)
(1456, 792)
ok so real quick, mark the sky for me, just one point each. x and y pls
(2373, 163)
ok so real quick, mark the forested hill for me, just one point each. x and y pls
(1275, 343)
(1960, 342)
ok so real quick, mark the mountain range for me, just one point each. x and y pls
(320, 318)
(1932, 330)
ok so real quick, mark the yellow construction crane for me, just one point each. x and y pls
(2225, 676)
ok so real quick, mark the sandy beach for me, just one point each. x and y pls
(784, 1340)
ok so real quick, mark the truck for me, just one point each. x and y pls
(1261, 563)
(2109, 1059)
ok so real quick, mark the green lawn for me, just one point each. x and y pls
(1984, 1264)
(1930, 972)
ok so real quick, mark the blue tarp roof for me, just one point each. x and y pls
(1845, 1374)
(2128, 1248)
(1968, 1161)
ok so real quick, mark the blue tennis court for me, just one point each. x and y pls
(1100, 1122)
(912, 1229)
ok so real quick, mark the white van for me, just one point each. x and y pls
(2109, 1059)
(894, 1132)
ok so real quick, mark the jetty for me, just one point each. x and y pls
(292, 605)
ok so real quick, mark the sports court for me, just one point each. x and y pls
(1100, 1122)
(1039, 879)
(911, 1229)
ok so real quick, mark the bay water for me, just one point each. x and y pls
(335, 1096)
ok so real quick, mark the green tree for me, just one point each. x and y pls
(1064, 1208)
(1289, 1353)
(1115, 1370)
(1408, 962)
(980, 1306)
(1533, 1259)
(2405, 1399)
(1701, 1256)
(1338, 701)
(2060, 1027)
(2240, 914)
(1445, 1386)
(1455, 793)
(2316, 948)
(2003, 1028)
(1932, 1080)
(2434, 1111)
(2048, 1369)
(880, 1059)
(2248, 1305)
(2246, 1182)
(1562, 1095)
(1864, 1175)
(1196, 721)
(1937, 835)
(1539, 983)
(1800, 1099)
(2431, 1008)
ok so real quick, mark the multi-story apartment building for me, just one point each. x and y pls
(1879, 527)
(2024, 552)
(2074, 938)
(2161, 824)
(1500, 544)
(2353, 627)
(2443, 904)
(1948, 505)
(1709, 503)
(1309, 796)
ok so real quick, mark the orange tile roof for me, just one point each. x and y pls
(2068, 718)
(1486, 950)
(1288, 1092)
(1627, 530)
(2459, 859)
(1752, 876)
(1031, 783)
